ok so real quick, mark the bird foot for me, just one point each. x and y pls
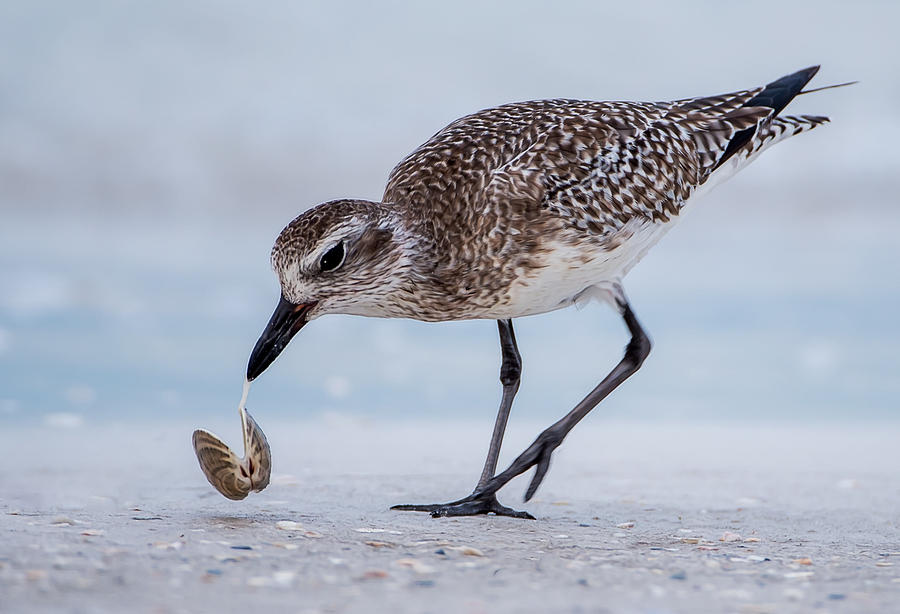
(466, 507)
(537, 455)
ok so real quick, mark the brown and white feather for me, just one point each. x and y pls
(527, 207)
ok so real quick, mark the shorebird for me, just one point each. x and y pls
(519, 210)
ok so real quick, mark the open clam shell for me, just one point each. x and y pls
(232, 476)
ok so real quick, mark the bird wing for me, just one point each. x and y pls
(605, 164)
(597, 165)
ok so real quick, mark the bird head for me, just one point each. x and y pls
(344, 256)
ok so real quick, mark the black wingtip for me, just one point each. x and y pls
(777, 94)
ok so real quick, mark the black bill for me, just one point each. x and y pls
(287, 320)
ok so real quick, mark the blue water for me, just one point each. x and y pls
(741, 331)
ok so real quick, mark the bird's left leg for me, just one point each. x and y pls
(538, 453)
(510, 376)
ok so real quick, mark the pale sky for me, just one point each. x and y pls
(150, 152)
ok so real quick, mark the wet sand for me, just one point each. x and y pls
(632, 518)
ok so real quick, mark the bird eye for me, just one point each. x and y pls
(333, 258)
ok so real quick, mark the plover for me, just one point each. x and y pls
(519, 210)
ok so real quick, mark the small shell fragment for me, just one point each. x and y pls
(232, 476)
(374, 530)
(470, 551)
(378, 544)
(417, 566)
(62, 521)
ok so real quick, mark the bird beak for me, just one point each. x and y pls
(287, 320)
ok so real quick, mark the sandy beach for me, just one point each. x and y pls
(632, 518)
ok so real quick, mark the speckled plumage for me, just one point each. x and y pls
(519, 210)
(526, 207)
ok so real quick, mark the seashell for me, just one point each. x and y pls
(232, 476)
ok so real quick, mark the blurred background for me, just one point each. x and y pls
(150, 152)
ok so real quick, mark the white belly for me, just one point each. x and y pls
(579, 272)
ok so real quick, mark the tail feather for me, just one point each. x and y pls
(827, 87)
(784, 126)
(775, 96)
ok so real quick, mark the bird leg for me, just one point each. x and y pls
(538, 453)
(510, 376)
